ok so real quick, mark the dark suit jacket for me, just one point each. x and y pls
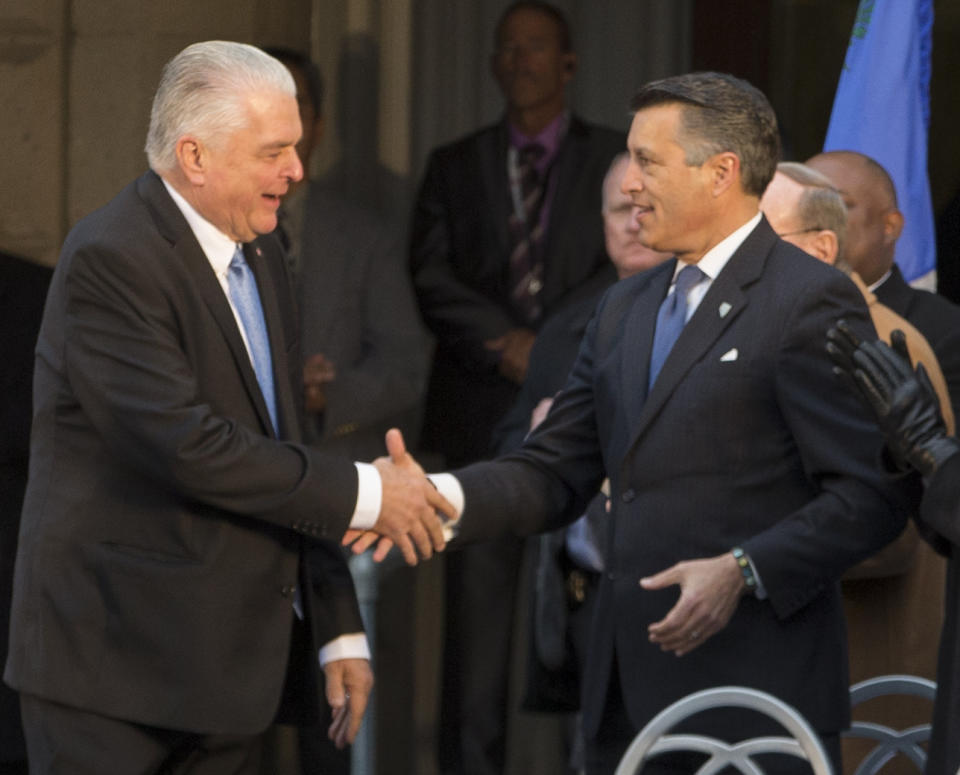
(937, 318)
(357, 308)
(164, 523)
(459, 258)
(940, 511)
(23, 288)
(764, 451)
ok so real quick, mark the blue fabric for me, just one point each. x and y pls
(671, 319)
(246, 299)
(882, 109)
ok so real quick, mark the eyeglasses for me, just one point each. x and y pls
(798, 231)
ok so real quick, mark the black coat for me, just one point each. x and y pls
(459, 258)
(744, 439)
(166, 524)
(23, 289)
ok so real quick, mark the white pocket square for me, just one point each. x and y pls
(729, 355)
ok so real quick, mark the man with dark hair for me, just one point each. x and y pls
(506, 231)
(740, 488)
(874, 224)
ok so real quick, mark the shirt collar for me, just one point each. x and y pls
(715, 259)
(216, 246)
(550, 137)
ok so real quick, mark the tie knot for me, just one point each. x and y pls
(689, 276)
(532, 153)
(239, 261)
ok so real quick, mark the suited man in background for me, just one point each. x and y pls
(742, 487)
(506, 231)
(893, 601)
(366, 352)
(23, 288)
(874, 224)
(177, 571)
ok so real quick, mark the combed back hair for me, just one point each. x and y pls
(615, 162)
(559, 20)
(202, 91)
(720, 113)
(821, 204)
(310, 70)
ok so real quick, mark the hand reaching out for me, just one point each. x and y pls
(409, 508)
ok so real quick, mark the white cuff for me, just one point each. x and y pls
(369, 497)
(449, 487)
(352, 646)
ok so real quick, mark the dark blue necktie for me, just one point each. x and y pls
(246, 299)
(671, 318)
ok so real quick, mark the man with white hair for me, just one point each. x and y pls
(178, 567)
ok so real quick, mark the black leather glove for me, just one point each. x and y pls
(903, 400)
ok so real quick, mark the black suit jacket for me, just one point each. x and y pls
(940, 511)
(745, 439)
(23, 288)
(164, 521)
(459, 258)
(937, 318)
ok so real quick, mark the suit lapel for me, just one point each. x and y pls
(641, 321)
(720, 307)
(257, 257)
(492, 156)
(174, 228)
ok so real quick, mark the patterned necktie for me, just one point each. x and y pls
(526, 234)
(246, 300)
(671, 319)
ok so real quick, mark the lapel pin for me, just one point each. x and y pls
(725, 307)
(259, 252)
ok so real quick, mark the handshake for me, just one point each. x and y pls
(413, 513)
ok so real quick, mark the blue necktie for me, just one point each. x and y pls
(246, 300)
(671, 319)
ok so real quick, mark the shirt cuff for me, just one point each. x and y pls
(369, 497)
(351, 646)
(449, 487)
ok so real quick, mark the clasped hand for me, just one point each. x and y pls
(412, 511)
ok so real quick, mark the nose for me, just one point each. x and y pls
(631, 179)
(293, 170)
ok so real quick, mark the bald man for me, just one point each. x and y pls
(893, 602)
(874, 224)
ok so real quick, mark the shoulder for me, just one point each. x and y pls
(596, 135)
(468, 146)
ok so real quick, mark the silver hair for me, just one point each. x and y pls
(820, 205)
(202, 91)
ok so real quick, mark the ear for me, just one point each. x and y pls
(824, 245)
(892, 226)
(724, 169)
(192, 159)
(569, 66)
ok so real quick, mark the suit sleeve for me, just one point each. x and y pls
(125, 359)
(854, 509)
(547, 483)
(459, 315)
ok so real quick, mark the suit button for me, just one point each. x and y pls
(287, 590)
(628, 496)
(612, 575)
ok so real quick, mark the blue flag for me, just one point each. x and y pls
(882, 109)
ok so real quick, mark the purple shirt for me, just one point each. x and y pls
(550, 138)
